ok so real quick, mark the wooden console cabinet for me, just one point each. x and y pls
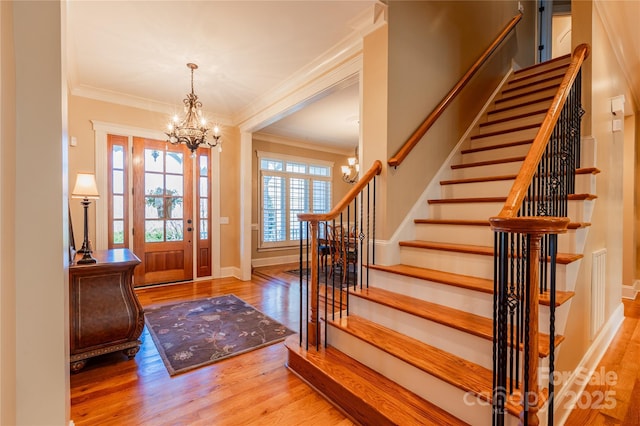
(105, 314)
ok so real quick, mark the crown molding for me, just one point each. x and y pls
(267, 137)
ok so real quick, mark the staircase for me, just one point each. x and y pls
(416, 347)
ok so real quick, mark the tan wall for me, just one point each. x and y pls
(40, 244)
(82, 158)
(7, 218)
(338, 189)
(606, 229)
(431, 45)
(629, 191)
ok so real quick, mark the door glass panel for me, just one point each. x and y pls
(118, 157)
(174, 185)
(154, 208)
(153, 160)
(174, 162)
(174, 204)
(118, 207)
(175, 231)
(204, 208)
(204, 191)
(118, 231)
(118, 182)
(204, 231)
(204, 165)
(153, 184)
(154, 231)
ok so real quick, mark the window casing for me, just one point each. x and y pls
(289, 186)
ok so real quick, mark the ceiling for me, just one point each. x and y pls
(135, 53)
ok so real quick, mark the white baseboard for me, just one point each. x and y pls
(571, 391)
(231, 271)
(631, 291)
(275, 260)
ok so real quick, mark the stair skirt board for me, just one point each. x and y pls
(471, 301)
(460, 343)
(452, 399)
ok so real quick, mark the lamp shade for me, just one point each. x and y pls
(85, 186)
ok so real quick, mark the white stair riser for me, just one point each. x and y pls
(474, 302)
(464, 345)
(499, 188)
(495, 154)
(516, 136)
(523, 88)
(483, 211)
(510, 168)
(483, 235)
(510, 124)
(527, 108)
(439, 392)
(518, 83)
(459, 263)
(533, 97)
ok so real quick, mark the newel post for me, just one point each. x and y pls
(312, 327)
(530, 400)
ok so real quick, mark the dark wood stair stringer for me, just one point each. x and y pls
(363, 394)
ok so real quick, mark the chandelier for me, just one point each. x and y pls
(192, 130)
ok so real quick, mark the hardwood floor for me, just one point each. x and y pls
(256, 388)
(622, 389)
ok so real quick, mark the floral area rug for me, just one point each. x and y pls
(200, 332)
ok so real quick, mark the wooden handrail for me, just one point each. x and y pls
(446, 101)
(530, 165)
(375, 170)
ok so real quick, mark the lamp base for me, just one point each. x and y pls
(86, 247)
(86, 259)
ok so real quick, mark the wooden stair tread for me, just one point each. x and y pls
(547, 77)
(466, 322)
(571, 197)
(468, 282)
(502, 132)
(509, 98)
(366, 392)
(447, 367)
(562, 258)
(496, 146)
(488, 162)
(545, 64)
(572, 225)
(580, 171)
(513, 117)
(500, 109)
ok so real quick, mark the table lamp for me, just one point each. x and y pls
(87, 190)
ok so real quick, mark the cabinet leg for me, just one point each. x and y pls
(78, 365)
(131, 352)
